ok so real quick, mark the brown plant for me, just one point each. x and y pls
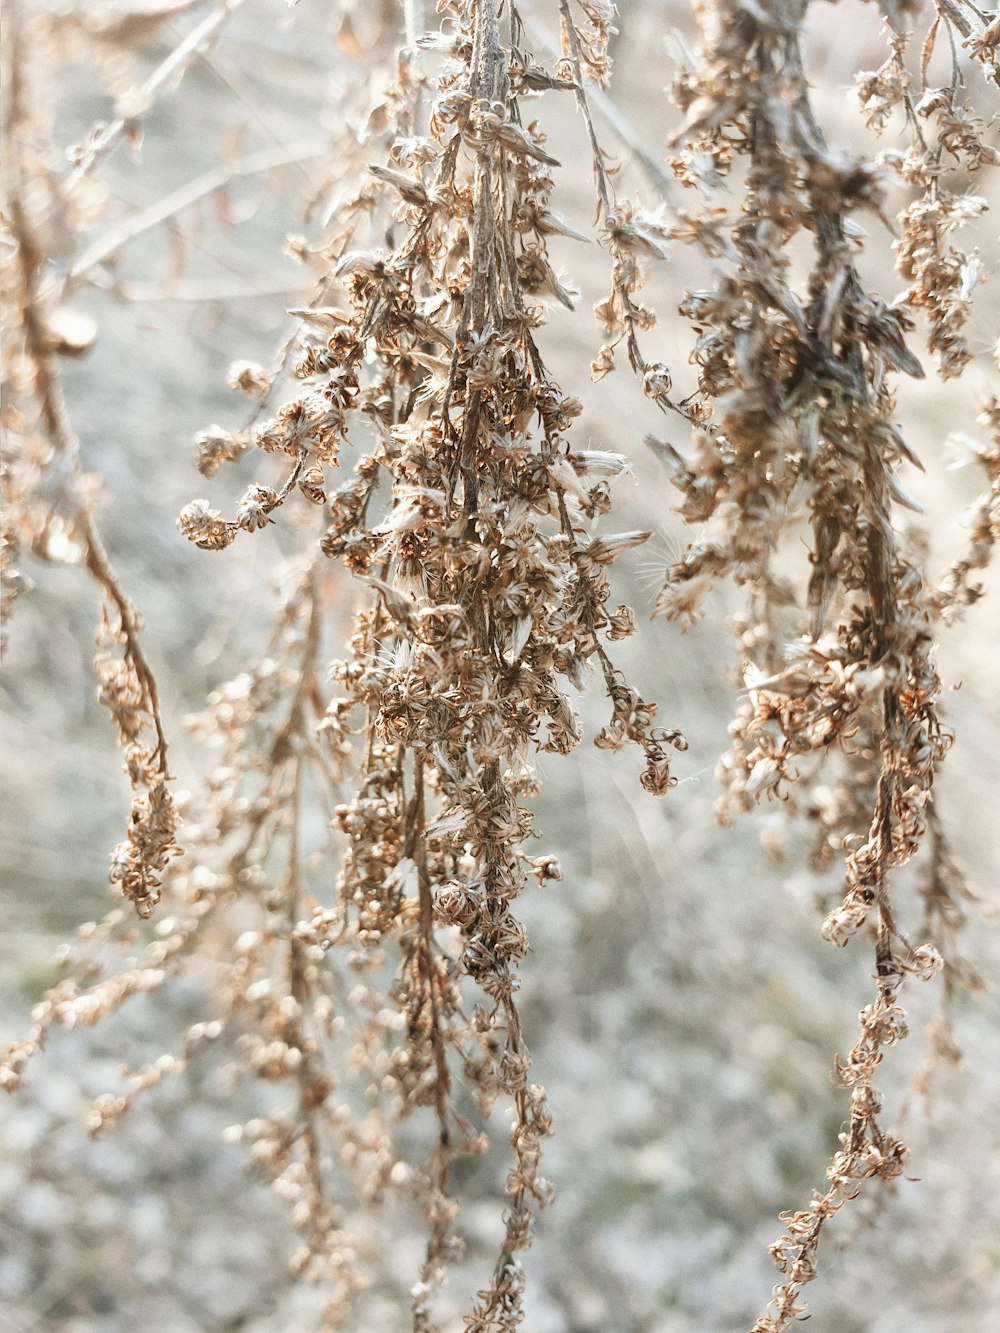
(371, 957)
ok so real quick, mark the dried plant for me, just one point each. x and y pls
(357, 850)
(471, 519)
(489, 590)
(796, 392)
(50, 501)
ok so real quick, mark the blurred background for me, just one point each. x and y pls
(681, 1008)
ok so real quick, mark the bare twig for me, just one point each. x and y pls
(104, 140)
(210, 182)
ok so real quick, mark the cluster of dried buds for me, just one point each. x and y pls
(50, 502)
(947, 139)
(470, 518)
(471, 522)
(796, 404)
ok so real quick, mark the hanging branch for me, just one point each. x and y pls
(796, 391)
(489, 588)
(136, 103)
(65, 523)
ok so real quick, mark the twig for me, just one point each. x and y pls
(413, 17)
(194, 290)
(48, 390)
(175, 64)
(209, 182)
(617, 121)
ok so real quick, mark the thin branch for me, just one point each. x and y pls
(195, 290)
(413, 17)
(175, 65)
(208, 183)
(616, 120)
(48, 391)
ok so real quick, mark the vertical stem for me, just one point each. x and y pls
(413, 18)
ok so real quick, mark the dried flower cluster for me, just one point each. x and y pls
(471, 518)
(383, 992)
(796, 395)
(50, 501)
